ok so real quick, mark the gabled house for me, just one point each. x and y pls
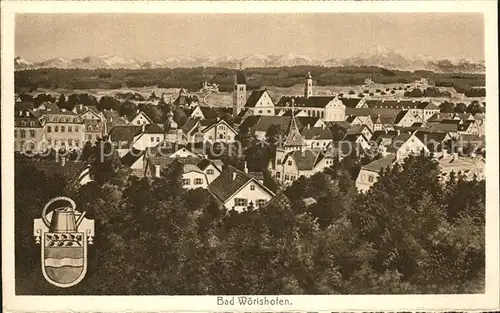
(236, 190)
(369, 173)
(468, 127)
(360, 129)
(211, 168)
(193, 177)
(360, 120)
(260, 103)
(150, 136)
(300, 163)
(435, 142)
(140, 118)
(405, 144)
(135, 160)
(407, 118)
(216, 131)
(317, 138)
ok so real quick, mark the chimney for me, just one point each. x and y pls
(398, 132)
(157, 170)
(234, 175)
(137, 111)
(246, 168)
(63, 160)
(63, 110)
(308, 126)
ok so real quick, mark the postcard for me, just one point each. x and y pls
(250, 156)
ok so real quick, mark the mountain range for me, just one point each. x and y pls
(378, 56)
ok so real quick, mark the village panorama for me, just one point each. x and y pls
(264, 175)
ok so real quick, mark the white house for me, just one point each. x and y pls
(140, 118)
(211, 168)
(260, 103)
(369, 173)
(237, 190)
(300, 163)
(193, 177)
(150, 136)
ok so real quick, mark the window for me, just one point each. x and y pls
(32, 133)
(75, 120)
(261, 203)
(240, 202)
(138, 122)
(55, 119)
(32, 124)
(260, 111)
(287, 177)
(252, 187)
(198, 181)
(56, 129)
(32, 146)
(70, 142)
(15, 133)
(152, 139)
(77, 143)
(186, 181)
(370, 179)
(157, 139)
(290, 162)
(210, 171)
(62, 129)
(89, 128)
(292, 177)
(23, 133)
(49, 141)
(268, 111)
(70, 129)
(49, 129)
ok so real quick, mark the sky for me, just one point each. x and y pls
(150, 37)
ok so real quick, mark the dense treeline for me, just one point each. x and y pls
(191, 78)
(409, 234)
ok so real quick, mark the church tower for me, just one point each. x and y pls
(239, 92)
(308, 88)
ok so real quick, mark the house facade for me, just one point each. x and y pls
(63, 129)
(236, 190)
(29, 133)
(260, 103)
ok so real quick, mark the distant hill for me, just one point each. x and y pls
(378, 56)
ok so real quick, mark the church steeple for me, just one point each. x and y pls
(308, 86)
(294, 139)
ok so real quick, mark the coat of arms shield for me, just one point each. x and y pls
(63, 234)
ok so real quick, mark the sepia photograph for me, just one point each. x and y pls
(250, 156)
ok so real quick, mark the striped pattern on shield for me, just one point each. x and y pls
(64, 258)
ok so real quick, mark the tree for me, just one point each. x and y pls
(108, 103)
(460, 108)
(447, 107)
(475, 108)
(338, 132)
(128, 108)
(274, 134)
(105, 162)
(61, 103)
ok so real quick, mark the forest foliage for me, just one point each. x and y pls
(192, 78)
(408, 234)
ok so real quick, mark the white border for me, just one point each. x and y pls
(488, 301)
